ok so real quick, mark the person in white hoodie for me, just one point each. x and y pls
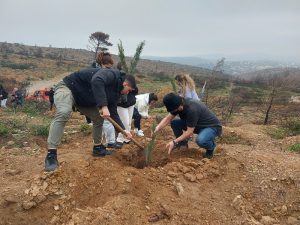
(141, 108)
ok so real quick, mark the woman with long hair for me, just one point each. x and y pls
(187, 87)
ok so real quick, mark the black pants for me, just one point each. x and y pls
(51, 105)
(137, 119)
(88, 119)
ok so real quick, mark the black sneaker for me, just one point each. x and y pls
(51, 162)
(100, 151)
(208, 154)
(118, 145)
(111, 145)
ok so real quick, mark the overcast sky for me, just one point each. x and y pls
(262, 28)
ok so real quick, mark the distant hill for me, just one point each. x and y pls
(86, 57)
(295, 72)
(233, 67)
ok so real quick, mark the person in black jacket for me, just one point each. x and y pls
(92, 91)
(50, 94)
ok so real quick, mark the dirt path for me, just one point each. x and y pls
(39, 85)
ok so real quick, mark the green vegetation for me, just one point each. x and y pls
(4, 131)
(17, 66)
(295, 148)
(233, 138)
(40, 130)
(149, 148)
(85, 129)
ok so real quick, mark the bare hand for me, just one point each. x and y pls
(105, 112)
(128, 135)
(170, 146)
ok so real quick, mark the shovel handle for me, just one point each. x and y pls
(120, 129)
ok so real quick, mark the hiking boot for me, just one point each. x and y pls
(100, 151)
(51, 162)
(208, 154)
(116, 145)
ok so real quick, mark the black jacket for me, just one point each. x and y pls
(4, 94)
(129, 100)
(97, 87)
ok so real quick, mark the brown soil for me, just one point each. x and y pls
(253, 183)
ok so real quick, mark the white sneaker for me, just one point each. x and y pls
(140, 133)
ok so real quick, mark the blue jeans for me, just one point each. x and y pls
(206, 136)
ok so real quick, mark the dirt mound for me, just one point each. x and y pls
(251, 183)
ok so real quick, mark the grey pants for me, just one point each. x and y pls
(63, 100)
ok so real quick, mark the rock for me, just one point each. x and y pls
(56, 207)
(179, 188)
(205, 160)
(28, 205)
(172, 174)
(190, 177)
(27, 191)
(128, 180)
(11, 199)
(45, 185)
(147, 207)
(25, 144)
(237, 202)
(292, 220)
(199, 176)
(54, 220)
(40, 198)
(267, 220)
(10, 143)
(184, 169)
(35, 190)
(284, 209)
(12, 172)
(274, 179)
(193, 164)
(26, 149)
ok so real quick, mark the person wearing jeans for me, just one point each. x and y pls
(195, 118)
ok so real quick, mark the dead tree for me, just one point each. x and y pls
(98, 41)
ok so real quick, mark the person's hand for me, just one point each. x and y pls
(170, 146)
(128, 135)
(105, 112)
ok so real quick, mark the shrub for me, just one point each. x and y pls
(295, 148)
(277, 133)
(19, 66)
(4, 131)
(86, 129)
(40, 130)
(292, 126)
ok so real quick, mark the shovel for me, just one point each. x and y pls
(117, 126)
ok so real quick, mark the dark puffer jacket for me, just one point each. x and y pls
(97, 87)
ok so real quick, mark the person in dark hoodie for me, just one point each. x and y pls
(93, 91)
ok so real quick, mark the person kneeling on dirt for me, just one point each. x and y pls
(92, 91)
(196, 118)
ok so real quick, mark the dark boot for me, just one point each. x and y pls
(51, 162)
(208, 154)
(100, 151)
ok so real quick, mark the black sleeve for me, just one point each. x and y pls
(115, 116)
(100, 80)
(192, 118)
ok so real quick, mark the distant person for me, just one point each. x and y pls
(195, 118)
(17, 98)
(50, 94)
(92, 91)
(187, 87)
(141, 108)
(3, 97)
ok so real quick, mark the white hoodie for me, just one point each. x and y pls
(142, 104)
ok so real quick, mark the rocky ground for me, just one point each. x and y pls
(251, 181)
